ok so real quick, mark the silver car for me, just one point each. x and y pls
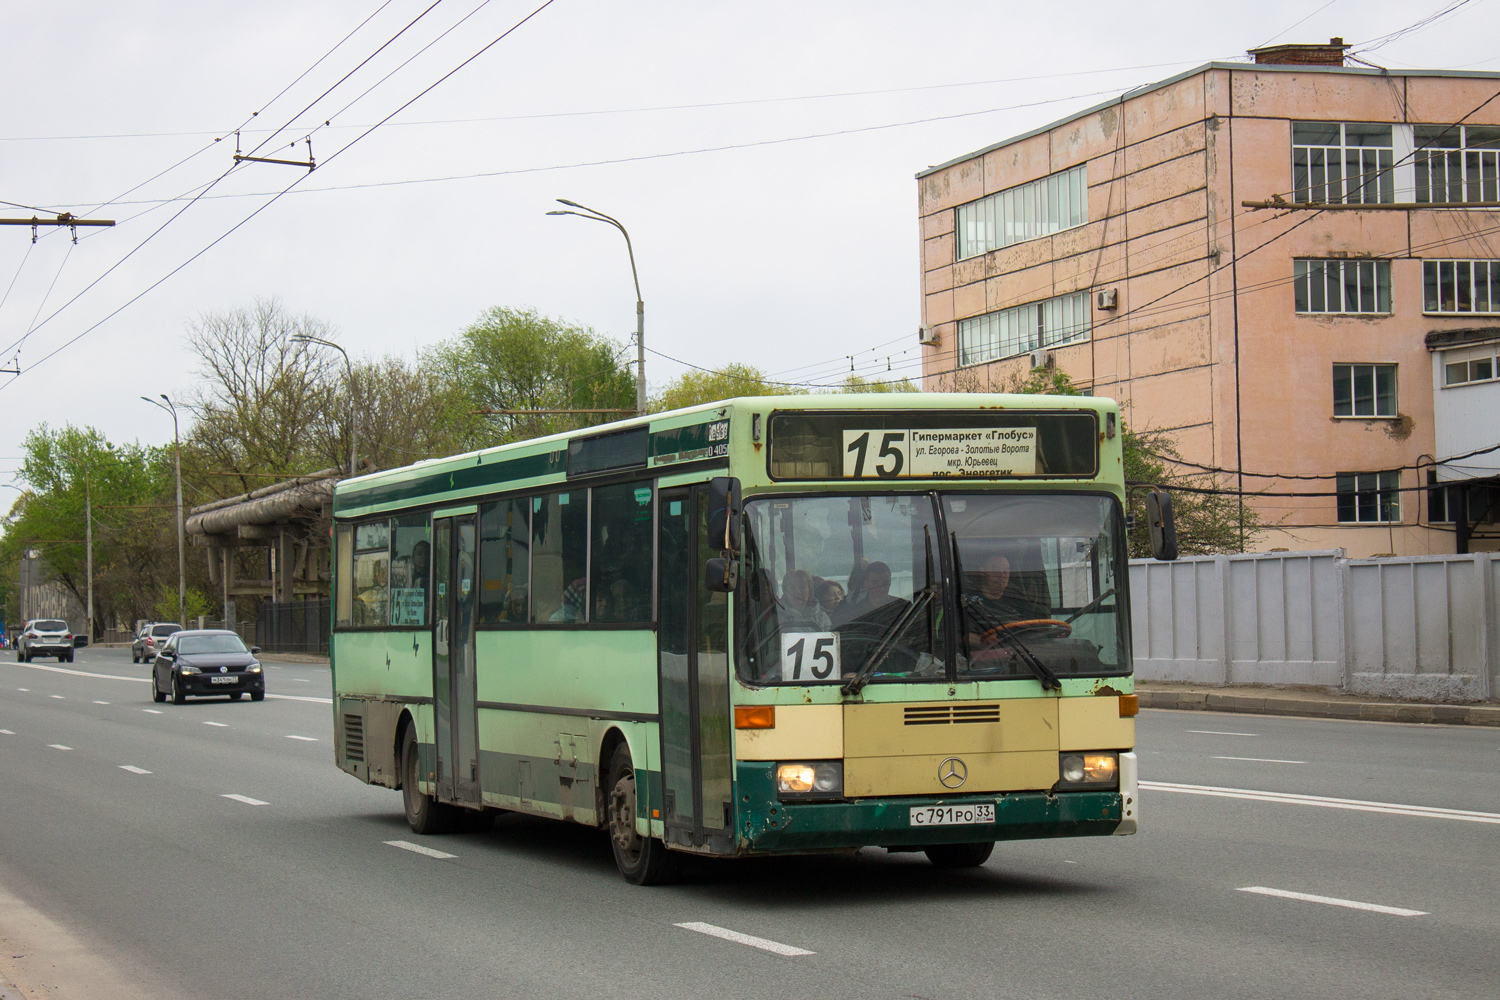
(150, 639)
(45, 637)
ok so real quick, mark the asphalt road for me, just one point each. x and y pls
(197, 894)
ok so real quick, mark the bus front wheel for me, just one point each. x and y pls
(959, 855)
(424, 814)
(641, 860)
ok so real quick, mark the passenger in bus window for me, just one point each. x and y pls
(800, 611)
(876, 605)
(830, 595)
(572, 607)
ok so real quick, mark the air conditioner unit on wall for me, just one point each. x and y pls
(1042, 359)
(927, 335)
(1107, 298)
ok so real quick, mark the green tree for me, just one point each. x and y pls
(855, 383)
(1207, 523)
(165, 608)
(695, 387)
(517, 359)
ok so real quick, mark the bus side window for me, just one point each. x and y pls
(559, 541)
(504, 561)
(343, 580)
(372, 574)
(620, 577)
(411, 570)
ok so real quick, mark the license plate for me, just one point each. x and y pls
(223, 679)
(970, 815)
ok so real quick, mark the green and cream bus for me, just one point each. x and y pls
(770, 625)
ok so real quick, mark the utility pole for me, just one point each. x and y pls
(88, 543)
(181, 546)
(640, 306)
(307, 338)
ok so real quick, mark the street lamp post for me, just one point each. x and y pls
(640, 305)
(307, 338)
(171, 408)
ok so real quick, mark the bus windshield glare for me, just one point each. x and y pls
(843, 586)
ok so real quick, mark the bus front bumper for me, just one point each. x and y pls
(782, 827)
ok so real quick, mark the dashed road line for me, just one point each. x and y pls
(407, 845)
(151, 711)
(221, 725)
(1352, 904)
(301, 680)
(764, 944)
(1219, 732)
(7, 732)
(58, 746)
(1263, 760)
(133, 769)
(101, 703)
(27, 690)
(57, 696)
(245, 799)
(1325, 802)
(309, 739)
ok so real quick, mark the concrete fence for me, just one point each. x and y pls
(1422, 628)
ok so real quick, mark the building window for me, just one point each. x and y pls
(1025, 212)
(1334, 163)
(1369, 497)
(1445, 500)
(1343, 286)
(1003, 334)
(1461, 286)
(1364, 390)
(1457, 163)
(1473, 364)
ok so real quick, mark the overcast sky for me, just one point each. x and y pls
(787, 255)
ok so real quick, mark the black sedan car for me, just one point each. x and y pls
(206, 663)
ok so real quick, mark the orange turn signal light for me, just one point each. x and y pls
(755, 717)
(1130, 704)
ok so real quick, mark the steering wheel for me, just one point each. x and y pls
(1058, 629)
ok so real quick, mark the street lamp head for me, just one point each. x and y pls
(555, 212)
(570, 204)
(164, 396)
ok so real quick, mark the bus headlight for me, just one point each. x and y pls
(814, 779)
(1089, 770)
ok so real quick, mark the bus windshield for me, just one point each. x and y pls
(843, 586)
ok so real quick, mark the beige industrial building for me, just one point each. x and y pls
(1291, 266)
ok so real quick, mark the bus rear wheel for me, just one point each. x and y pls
(959, 855)
(641, 860)
(424, 814)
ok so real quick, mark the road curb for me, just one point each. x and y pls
(1327, 708)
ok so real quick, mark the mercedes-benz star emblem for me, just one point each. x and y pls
(223, 670)
(952, 772)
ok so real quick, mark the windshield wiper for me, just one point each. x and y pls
(888, 641)
(1042, 671)
(1090, 606)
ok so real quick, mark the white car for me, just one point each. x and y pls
(45, 637)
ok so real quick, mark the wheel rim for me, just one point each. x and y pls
(622, 818)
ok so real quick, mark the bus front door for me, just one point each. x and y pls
(697, 795)
(454, 682)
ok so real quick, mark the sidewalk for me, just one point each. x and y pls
(1317, 702)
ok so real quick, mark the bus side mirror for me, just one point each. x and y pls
(721, 575)
(724, 525)
(1163, 528)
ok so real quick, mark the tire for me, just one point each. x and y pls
(28, 656)
(641, 860)
(959, 855)
(156, 695)
(235, 695)
(134, 657)
(424, 814)
(178, 698)
(257, 696)
(68, 660)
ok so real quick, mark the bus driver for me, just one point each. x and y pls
(995, 603)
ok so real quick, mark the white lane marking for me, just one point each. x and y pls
(101, 703)
(407, 845)
(775, 947)
(1353, 904)
(82, 673)
(1263, 760)
(309, 739)
(1219, 732)
(58, 746)
(300, 697)
(133, 769)
(245, 799)
(27, 690)
(57, 696)
(152, 711)
(7, 732)
(221, 725)
(301, 680)
(1323, 801)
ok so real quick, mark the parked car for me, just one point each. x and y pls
(206, 662)
(149, 639)
(45, 637)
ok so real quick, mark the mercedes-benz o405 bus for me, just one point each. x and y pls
(769, 625)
